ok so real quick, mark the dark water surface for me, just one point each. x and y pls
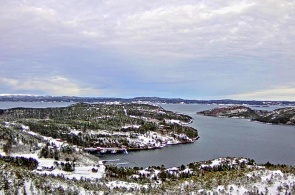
(219, 137)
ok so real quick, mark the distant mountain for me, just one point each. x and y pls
(32, 98)
(278, 116)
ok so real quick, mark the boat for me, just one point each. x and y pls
(103, 151)
(114, 151)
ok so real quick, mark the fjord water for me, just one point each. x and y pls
(219, 137)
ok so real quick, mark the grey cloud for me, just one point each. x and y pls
(151, 40)
(198, 29)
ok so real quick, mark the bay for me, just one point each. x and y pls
(219, 137)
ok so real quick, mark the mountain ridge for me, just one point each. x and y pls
(35, 98)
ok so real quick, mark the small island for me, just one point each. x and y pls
(278, 116)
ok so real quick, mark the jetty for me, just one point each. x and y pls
(101, 150)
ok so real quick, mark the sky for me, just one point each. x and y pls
(192, 49)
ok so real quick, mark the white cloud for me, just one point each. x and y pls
(187, 29)
(56, 85)
(235, 8)
(280, 93)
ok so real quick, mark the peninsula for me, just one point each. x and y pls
(278, 116)
(105, 127)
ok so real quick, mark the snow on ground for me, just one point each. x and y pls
(187, 170)
(265, 181)
(24, 127)
(57, 142)
(214, 162)
(43, 162)
(2, 153)
(75, 132)
(131, 126)
(153, 139)
(173, 121)
(123, 184)
(32, 155)
(125, 111)
(79, 172)
(220, 161)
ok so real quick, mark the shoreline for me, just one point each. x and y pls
(97, 150)
(248, 119)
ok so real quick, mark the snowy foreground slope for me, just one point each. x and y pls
(210, 179)
(259, 182)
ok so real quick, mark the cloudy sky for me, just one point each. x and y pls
(190, 49)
